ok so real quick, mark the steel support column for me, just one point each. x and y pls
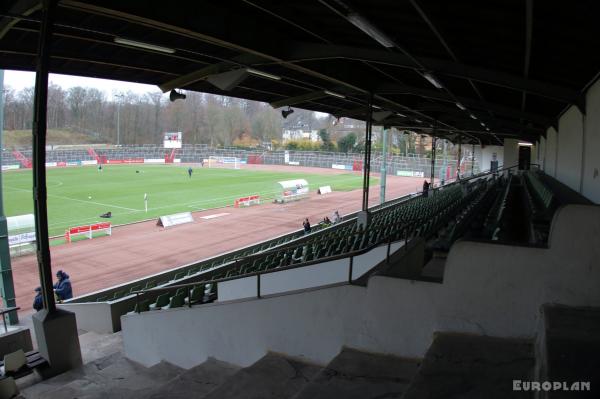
(433, 145)
(459, 155)
(472, 159)
(367, 161)
(383, 171)
(6, 276)
(39, 155)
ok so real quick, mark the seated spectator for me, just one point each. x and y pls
(62, 288)
(306, 225)
(336, 217)
(326, 221)
(426, 185)
(38, 302)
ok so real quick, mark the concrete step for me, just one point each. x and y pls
(569, 349)
(272, 377)
(111, 377)
(360, 375)
(471, 367)
(41, 388)
(195, 382)
(97, 346)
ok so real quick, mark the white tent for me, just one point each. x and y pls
(292, 190)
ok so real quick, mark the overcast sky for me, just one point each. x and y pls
(19, 80)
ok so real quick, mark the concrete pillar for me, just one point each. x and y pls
(55, 329)
(382, 179)
(511, 152)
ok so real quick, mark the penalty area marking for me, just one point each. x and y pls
(216, 215)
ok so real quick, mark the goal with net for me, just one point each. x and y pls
(223, 162)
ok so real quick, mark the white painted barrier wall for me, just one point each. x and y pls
(318, 275)
(488, 289)
(551, 142)
(487, 153)
(591, 147)
(570, 150)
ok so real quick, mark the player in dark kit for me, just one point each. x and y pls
(190, 170)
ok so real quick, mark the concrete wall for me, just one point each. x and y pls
(95, 317)
(317, 275)
(591, 168)
(542, 153)
(570, 150)
(551, 152)
(488, 289)
(486, 156)
(573, 154)
(511, 152)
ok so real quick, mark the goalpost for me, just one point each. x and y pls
(223, 162)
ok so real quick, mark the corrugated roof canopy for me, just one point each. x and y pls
(505, 68)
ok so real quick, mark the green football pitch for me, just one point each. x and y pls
(78, 195)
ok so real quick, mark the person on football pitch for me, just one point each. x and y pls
(190, 170)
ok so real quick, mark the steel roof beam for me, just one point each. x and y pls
(301, 52)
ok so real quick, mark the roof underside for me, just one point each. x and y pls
(514, 65)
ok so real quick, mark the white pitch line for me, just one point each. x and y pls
(84, 201)
(216, 215)
(94, 202)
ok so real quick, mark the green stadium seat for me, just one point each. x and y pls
(135, 288)
(178, 276)
(176, 301)
(161, 301)
(117, 295)
(150, 284)
(195, 295)
(144, 306)
(181, 291)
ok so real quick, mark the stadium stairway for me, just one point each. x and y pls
(457, 365)
(471, 366)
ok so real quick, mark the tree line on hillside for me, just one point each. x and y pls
(203, 118)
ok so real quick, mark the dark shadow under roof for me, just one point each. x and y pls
(513, 65)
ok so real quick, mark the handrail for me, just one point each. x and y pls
(4, 311)
(350, 254)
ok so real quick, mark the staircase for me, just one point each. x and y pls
(25, 162)
(472, 366)
(170, 158)
(456, 366)
(92, 153)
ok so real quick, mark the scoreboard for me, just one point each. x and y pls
(172, 140)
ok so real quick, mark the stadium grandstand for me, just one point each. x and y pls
(484, 284)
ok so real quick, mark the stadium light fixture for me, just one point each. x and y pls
(175, 95)
(400, 115)
(334, 94)
(376, 106)
(482, 124)
(436, 83)
(146, 46)
(361, 23)
(262, 74)
(418, 121)
(286, 112)
(472, 116)
(523, 144)
(487, 128)
(460, 106)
